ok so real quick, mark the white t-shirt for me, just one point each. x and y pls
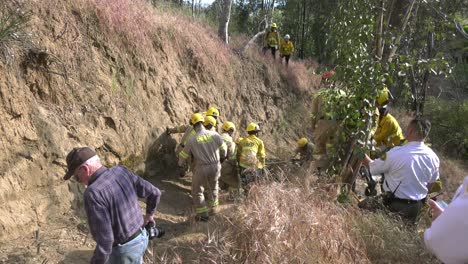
(414, 165)
(447, 238)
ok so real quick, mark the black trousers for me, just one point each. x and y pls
(286, 58)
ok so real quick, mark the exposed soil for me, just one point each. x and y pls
(78, 83)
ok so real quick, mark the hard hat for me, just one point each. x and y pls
(302, 142)
(273, 25)
(252, 127)
(382, 97)
(196, 118)
(228, 126)
(212, 111)
(239, 139)
(209, 120)
(287, 36)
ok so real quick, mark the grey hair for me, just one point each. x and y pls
(93, 161)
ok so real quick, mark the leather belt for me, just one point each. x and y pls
(137, 233)
(407, 201)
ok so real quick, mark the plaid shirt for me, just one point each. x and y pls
(111, 204)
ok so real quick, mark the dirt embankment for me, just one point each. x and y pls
(82, 80)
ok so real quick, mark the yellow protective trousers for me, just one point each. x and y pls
(205, 187)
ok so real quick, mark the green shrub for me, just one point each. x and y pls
(12, 24)
(449, 131)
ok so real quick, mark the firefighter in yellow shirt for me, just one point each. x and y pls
(271, 40)
(251, 155)
(388, 133)
(286, 49)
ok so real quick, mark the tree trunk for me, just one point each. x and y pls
(303, 28)
(398, 25)
(224, 16)
(378, 49)
(193, 8)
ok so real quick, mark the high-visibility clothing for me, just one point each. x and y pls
(388, 132)
(230, 146)
(305, 152)
(206, 149)
(229, 175)
(271, 39)
(205, 187)
(286, 48)
(251, 153)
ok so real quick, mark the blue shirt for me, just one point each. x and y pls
(111, 204)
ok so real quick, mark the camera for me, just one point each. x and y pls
(154, 231)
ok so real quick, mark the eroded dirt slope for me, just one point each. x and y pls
(76, 82)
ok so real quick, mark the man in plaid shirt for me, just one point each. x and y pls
(111, 203)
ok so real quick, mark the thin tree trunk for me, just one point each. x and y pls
(193, 8)
(402, 30)
(224, 17)
(379, 34)
(303, 28)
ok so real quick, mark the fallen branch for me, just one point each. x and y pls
(252, 40)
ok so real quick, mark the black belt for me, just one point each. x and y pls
(137, 233)
(407, 201)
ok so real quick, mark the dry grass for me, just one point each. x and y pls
(279, 224)
(388, 240)
(289, 224)
(452, 173)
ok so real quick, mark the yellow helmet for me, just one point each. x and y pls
(252, 127)
(302, 142)
(209, 120)
(273, 25)
(239, 139)
(196, 118)
(382, 97)
(212, 111)
(228, 126)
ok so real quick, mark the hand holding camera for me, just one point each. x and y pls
(154, 231)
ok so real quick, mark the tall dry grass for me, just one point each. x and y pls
(279, 224)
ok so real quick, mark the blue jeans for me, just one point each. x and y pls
(131, 252)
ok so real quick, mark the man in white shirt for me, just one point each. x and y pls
(448, 236)
(409, 170)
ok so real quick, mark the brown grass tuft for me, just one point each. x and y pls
(279, 224)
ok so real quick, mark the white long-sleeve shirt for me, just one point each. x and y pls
(447, 238)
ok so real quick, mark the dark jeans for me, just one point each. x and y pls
(272, 49)
(286, 58)
(408, 211)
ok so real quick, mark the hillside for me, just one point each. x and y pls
(113, 75)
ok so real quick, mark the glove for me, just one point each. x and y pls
(168, 131)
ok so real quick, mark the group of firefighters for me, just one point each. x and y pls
(273, 42)
(220, 161)
(217, 159)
